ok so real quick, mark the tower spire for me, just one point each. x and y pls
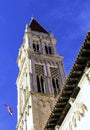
(35, 26)
(40, 78)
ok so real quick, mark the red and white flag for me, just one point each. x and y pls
(9, 109)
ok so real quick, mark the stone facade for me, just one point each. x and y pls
(79, 113)
(41, 76)
(41, 107)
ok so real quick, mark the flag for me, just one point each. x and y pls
(9, 109)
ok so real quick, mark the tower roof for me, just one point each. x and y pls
(35, 26)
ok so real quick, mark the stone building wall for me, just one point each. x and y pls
(42, 106)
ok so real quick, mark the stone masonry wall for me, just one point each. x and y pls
(42, 107)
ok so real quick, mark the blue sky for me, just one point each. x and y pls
(69, 20)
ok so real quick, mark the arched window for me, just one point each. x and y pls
(55, 79)
(39, 71)
(46, 49)
(54, 86)
(34, 47)
(42, 84)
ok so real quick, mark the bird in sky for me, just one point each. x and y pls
(9, 109)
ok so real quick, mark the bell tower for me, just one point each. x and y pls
(41, 76)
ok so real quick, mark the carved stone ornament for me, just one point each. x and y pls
(79, 112)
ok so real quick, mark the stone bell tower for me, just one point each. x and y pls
(41, 76)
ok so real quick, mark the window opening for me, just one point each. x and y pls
(46, 49)
(50, 50)
(55, 79)
(38, 84)
(34, 47)
(39, 70)
(37, 47)
(54, 86)
(42, 84)
(57, 83)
